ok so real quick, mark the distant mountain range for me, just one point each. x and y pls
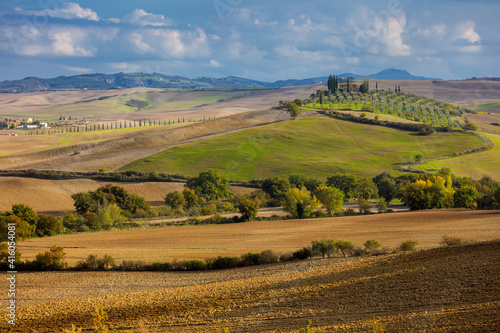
(157, 80)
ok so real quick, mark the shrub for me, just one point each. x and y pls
(159, 267)
(364, 206)
(382, 205)
(451, 241)
(222, 262)
(302, 254)
(140, 213)
(163, 210)
(175, 200)
(372, 245)
(132, 265)
(250, 259)
(325, 247)
(53, 259)
(308, 328)
(195, 265)
(408, 245)
(346, 247)
(209, 209)
(268, 257)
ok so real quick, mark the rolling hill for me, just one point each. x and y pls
(316, 146)
(158, 80)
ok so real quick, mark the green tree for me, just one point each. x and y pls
(210, 185)
(465, 197)
(299, 203)
(344, 246)
(300, 181)
(387, 188)
(248, 208)
(298, 101)
(382, 205)
(331, 198)
(347, 183)
(26, 213)
(23, 229)
(292, 109)
(190, 198)
(325, 247)
(276, 187)
(175, 200)
(364, 205)
(48, 225)
(364, 87)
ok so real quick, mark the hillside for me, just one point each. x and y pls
(158, 80)
(433, 291)
(313, 146)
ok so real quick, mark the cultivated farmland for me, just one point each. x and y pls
(199, 242)
(433, 290)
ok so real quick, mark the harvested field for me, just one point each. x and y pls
(111, 154)
(433, 291)
(55, 195)
(206, 241)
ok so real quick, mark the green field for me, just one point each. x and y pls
(484, 107)
(315, 146)
(475, 165)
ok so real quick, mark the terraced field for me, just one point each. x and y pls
(433, 291)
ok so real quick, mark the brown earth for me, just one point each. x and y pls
(452, 289)
(206, 241)
(54, 196)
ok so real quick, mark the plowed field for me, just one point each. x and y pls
(453, 289)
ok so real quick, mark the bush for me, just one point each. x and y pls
(194, 265)
(222, 262)
(250, 259)
(408, 245)
(53, 259)
(451, 241)
(132, 265)
(159, 267)
(209, 209)
(302, 254)
(268, 257)
(372, 245)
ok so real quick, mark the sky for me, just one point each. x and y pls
(263, 40)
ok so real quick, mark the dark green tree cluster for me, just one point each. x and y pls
(28, 223)
(333, 84)
(364, 87)
(106, 195)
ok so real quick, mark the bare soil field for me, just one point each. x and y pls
(452, 289)
(45, 195)
(207, 241)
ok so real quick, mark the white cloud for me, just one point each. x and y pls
(393, 37)
(65, 43)
(172, 43)
(77, 69)
(140, 45)
(142, 18)
(69, 10)
(466, 30)
(215, 63)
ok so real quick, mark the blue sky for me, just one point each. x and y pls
(264, 40)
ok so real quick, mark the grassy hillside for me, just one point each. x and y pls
(476, 165)
(316, 146)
